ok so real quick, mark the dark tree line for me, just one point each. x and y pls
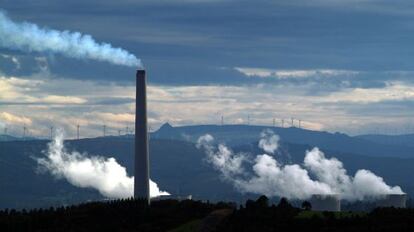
(164, 215)
(260, 216)
(118, 215)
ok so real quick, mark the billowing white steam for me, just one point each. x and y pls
(29, 37)
(364, 184)
(222, 159)
(293, 181)
(269, 142)
(104, 174)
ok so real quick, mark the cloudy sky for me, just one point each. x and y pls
(338, 65)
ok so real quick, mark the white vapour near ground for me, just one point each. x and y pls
(29, 37)
(364, 184)
(104, 174)
(271, 178)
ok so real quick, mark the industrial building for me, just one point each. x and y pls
(392, 200)
(328, 202)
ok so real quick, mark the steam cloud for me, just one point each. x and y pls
(29, 37)
(271, 178)
(269, 142)
(105, 175)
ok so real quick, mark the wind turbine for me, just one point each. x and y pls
(24, 131)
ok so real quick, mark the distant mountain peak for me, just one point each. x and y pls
(166, 126)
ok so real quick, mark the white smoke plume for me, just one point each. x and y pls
(269, 142)
(29, 37)
(223, 159)
(363, 185)
(271, 178)
(104, 174)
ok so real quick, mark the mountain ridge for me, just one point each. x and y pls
(242, 134)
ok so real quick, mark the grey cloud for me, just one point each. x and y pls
(27, 63)
(91, 102)
(383, 109)
(187, 43)
(194, 39)
(112, 101)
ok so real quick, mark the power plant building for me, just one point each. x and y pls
(330, 202)
(392, 200)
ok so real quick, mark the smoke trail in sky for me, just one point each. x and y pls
(271, 178)
(104, 174)
(29, 37)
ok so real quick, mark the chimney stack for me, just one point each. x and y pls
(141, 185)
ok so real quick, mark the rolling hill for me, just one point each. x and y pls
(179, 167)
(245, 134)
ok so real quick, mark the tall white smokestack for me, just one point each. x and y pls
(141, 185)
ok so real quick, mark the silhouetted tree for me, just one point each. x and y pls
(306, 205)
(250, 204)
(284, 203)
(262, 202)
